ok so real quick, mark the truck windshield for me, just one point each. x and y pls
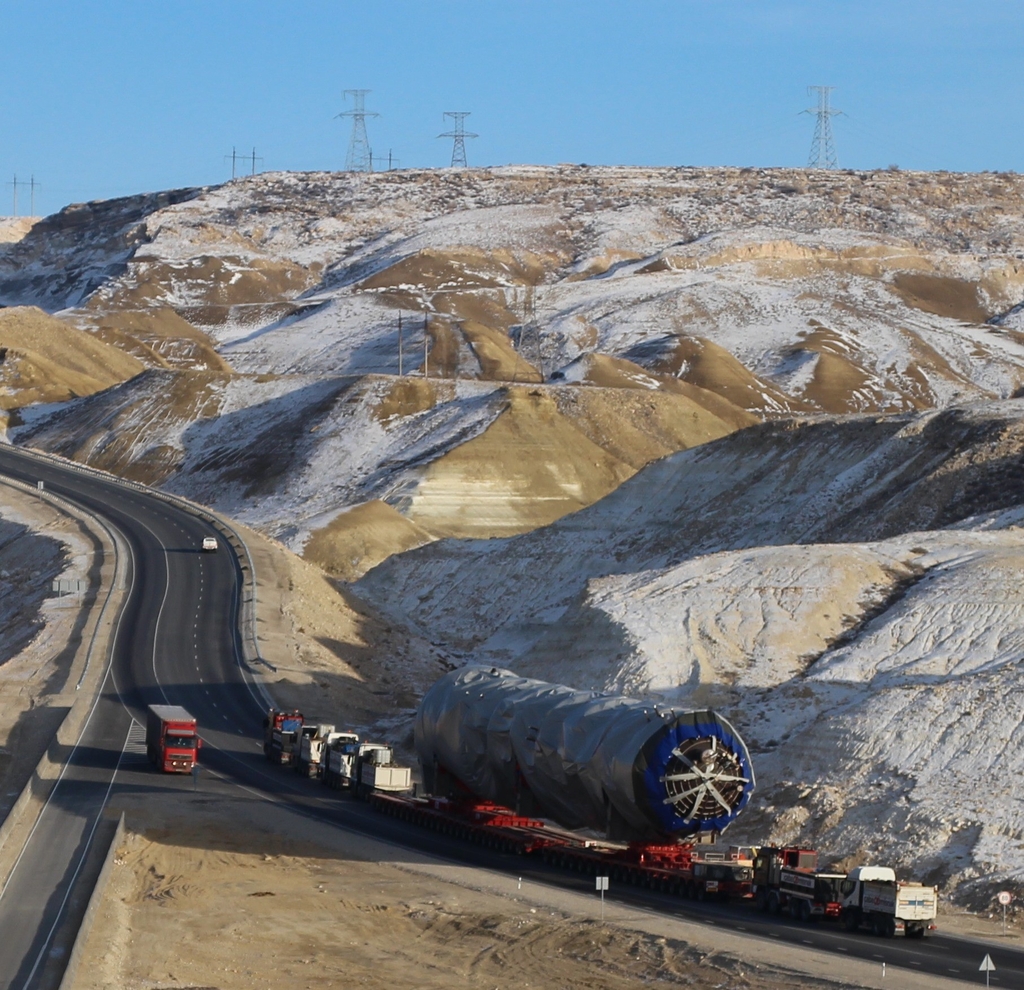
(180, 742)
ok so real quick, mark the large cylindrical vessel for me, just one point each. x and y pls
(629, 768)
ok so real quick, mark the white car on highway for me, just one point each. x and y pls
(209, 544)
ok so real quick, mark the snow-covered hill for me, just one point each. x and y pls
(816, 368)
(847, 591)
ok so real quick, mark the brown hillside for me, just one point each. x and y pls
(42, 359)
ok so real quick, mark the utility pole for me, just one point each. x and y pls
(234, 160)
(14, 186)
(399, 343)
(391, 160)
(32, 195)
(823, 148)
(254, 161)
(458, 134)
(359, 157)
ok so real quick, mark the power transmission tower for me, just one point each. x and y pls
(359, 157)
(823, 147)
(458, 134)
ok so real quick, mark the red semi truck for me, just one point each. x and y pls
(172, 738)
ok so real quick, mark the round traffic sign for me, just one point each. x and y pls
(1004, 897)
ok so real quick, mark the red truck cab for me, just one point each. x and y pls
(172, 738)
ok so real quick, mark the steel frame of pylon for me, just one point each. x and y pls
(359, 157)
(458, 134)
(823, 147)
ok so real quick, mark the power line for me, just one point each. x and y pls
(823, 147)
(359, 157)
(458, 134)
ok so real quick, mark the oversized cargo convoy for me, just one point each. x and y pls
(873, 898)
(172, 738)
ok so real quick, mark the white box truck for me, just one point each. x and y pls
(873, 898)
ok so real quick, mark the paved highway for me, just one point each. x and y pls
(178, 644)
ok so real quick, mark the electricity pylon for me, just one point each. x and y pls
(458, 134)
(359, 158)
(823, 147)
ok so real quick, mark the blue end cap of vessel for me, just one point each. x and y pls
(705, 748)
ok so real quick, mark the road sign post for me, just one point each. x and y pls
(1004, 897)
(602, 885)
(986, 967)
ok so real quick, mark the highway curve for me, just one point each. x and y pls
(178, 643)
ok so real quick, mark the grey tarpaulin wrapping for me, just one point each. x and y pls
(619, 765)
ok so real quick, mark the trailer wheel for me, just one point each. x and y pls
(888, 927)
(804, 911)
(761, 900)
(774, 904)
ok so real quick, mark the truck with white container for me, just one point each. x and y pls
(873, 898)
(376, 770)
(338, 760)
(312, 741)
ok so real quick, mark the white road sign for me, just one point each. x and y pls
(1004, 897)
(602, 883)
(987, 966)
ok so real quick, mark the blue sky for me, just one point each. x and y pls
(105, 99)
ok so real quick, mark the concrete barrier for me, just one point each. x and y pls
(95, 900)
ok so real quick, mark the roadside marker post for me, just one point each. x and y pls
(602, 885)
(986, 967)
(195, 776)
